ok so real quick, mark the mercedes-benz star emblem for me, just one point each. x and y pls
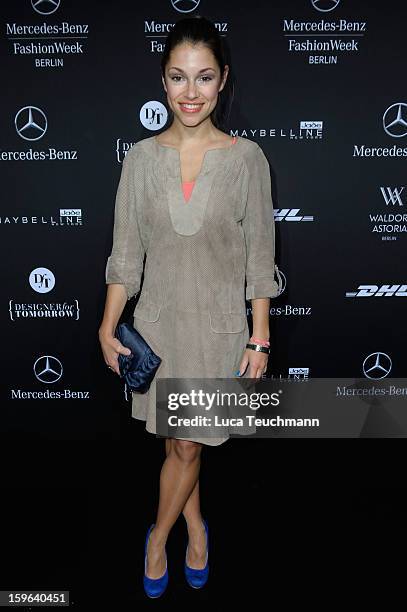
(45, 7)
(325, 5)
(185, 6)
(377, 365)
(48, 369)
(395, 120)
(31, 123)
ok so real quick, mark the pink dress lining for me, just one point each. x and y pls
(187, 186)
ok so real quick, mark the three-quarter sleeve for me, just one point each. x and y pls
(125, 263)
(259, 230)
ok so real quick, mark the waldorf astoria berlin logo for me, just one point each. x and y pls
(31, 123)
(45, 7)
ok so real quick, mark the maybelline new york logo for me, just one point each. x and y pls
(394, 122)
(323, 41)
(296, 374)
(306, 130)
(42, 280)
(31, 125)
(66, 217)
(46, 42)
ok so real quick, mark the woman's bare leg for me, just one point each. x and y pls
(179, 474)
(192, 513)
(192, 508)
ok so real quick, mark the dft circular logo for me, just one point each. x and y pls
(31, 123)
(42, 280)
(45, 7)
(395, 120)
(325, 5)
(153, 115)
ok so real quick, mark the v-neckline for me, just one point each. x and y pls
(202, 170)
(187, 217)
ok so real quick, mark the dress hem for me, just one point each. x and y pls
(138, 418)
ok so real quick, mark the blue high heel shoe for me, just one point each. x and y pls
(154, 587)
(196, 578)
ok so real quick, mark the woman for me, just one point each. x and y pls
(197, 203)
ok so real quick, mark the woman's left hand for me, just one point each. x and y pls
(257, 362)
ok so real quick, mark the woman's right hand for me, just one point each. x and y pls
(111, 348)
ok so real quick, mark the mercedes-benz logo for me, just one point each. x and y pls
(325, 5)
(284, 283)
(185, 6)
(395, 120)
(45, 7)
(377, 365)
(48, 369)
(31, 123)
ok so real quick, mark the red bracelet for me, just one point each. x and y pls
(260, 341)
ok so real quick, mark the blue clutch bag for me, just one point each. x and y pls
(139, 368)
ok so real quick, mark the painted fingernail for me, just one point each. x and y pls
(237, 373)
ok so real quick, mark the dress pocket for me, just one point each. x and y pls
(147, 311)
(230, 323)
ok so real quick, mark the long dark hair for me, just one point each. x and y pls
(199, 30)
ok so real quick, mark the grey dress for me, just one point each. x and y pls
(192, 309)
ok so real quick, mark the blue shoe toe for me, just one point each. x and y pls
(196, 578)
